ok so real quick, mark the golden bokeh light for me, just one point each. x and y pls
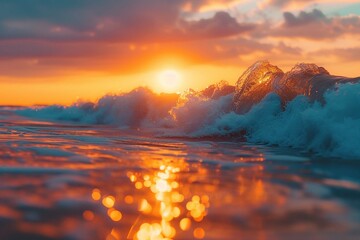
(129, 199)
(166, 209)
(163, 184)
(199, 233)
(88, 215)
(114, 214)
(145, 206)
(96, 195)
(113, 235)
(149, 231)
(138, 185)
(185, 224)
(108, 201)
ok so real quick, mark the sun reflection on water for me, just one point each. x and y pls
(143, 189)
(170, 210)
(170, 197)
(165, 208)
(165, 205)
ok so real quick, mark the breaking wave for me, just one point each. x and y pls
(140, 107)
(306, 108)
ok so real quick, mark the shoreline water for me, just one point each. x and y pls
(61, 181)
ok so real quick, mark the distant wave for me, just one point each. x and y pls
(137, 108)
(305, 108)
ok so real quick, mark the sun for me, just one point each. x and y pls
(169, 81)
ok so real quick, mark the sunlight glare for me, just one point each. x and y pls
(169, 81)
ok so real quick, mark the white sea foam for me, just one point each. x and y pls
(330, 129)
(326, 123)
(132, 109)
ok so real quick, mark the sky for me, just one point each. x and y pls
(59, 52)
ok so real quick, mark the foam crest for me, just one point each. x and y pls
(254, 84)
(133, 109)
(304, 79)
(331, 129)
(197, 112)
(305, 108)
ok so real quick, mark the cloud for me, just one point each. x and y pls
(290, 20)
(285, 49)
(341, 54)
(125, 36)
(301, 4)
(112, 35)
(283, 3)
(63, 58)
(221, 24)
(316, 25)
(209, 4)
(110, 20)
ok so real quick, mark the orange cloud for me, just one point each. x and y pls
(59, 42)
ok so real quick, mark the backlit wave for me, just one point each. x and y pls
(305, 108)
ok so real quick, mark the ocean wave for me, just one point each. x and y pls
(140, 107)
(305, 108)
(330, 129)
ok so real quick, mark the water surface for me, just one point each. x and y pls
(66, 181)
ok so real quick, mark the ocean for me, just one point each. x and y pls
(259, 160)
(82, 181)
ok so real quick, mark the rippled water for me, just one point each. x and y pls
(62, 181)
